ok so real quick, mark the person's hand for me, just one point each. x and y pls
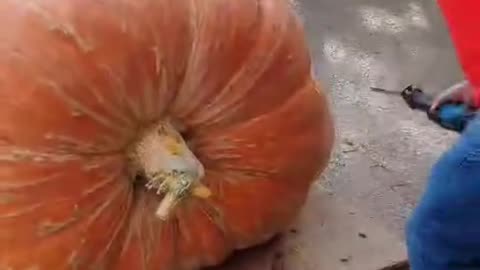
(461, 92)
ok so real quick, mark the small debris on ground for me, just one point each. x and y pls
(362, 235)
(399, 185)
(346, 259)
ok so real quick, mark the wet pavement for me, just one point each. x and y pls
(384, 151)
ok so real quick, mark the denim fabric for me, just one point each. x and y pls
(443, 232)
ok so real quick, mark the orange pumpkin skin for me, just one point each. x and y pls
(81, 79)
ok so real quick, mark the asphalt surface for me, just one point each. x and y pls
(384, 151)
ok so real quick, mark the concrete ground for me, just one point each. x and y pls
(384, 151)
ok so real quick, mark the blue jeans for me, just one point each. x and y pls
(443, 232)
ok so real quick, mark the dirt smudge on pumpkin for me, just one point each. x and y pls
(16, 154)
(47, 228)
(75, 261)
(67, 30)
(77, 113)
(7, 198)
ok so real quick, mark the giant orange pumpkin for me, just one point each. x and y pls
(152, 134)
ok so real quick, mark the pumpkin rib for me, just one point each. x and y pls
(118, 227)
(205, 153)
(132, 107)
(201, 138)
(117, 233)
(258, 29)
(162, 64)
(134, 224)
(65, 30)
(52, 231)
(261, 65)
(309, 84)
(277, 110)
(192, 52)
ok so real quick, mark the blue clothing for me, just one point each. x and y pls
(443, 232)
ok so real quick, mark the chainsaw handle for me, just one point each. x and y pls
(417, 99)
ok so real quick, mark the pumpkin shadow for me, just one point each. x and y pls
(268, 256)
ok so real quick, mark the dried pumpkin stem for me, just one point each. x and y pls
(171, 169)
(166, 206)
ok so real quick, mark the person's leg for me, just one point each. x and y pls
(443, 232)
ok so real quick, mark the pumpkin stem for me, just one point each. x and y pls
(163, 157)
